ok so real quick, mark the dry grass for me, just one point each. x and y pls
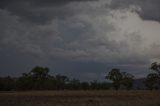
(80, 98)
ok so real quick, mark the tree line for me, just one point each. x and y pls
(153, 79)
(40, 79)
(123, 79)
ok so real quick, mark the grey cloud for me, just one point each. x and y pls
(82, 36)
(149, 8)
(38, 11)
(5, 3)
(89, 36)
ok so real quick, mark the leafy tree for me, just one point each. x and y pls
(74, 84)
(115, 76)
(61, 81)
(7, 84)
(85, 85)
(99, 85)
(40, 77)
(156, 67)
(50, 83)
(40, 72)
(25, 82)
(120, 78)
(104, 85)
(94, 85)
(35, 79)
(151, 81)
(127, 80)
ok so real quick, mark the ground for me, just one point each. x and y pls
(80, 98)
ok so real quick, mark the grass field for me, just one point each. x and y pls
(80, 98)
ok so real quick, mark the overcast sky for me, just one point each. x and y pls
(82, 39)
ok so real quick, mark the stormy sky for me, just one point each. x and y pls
(82, 39)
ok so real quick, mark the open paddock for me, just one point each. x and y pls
(80, 98)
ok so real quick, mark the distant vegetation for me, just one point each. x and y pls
(39, 79)
(120, 79)
(153, 79)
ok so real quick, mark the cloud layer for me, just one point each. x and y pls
(78, 32)
(149, 8)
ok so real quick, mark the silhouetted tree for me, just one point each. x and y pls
(156, 67)
(85, 85)
(115, 76)
(120, 78)
(61, 81)
(35, 79)
(7, 84)
(94, 85)
(151, 81)
(127, 80)
(40, 72)
(25, 82)
(39, 79)
(104, 85)
(74, 84)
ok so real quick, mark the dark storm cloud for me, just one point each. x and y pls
(4, 3)
(43, 11)
(150, 9)
(76, 38)
(38, 11)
